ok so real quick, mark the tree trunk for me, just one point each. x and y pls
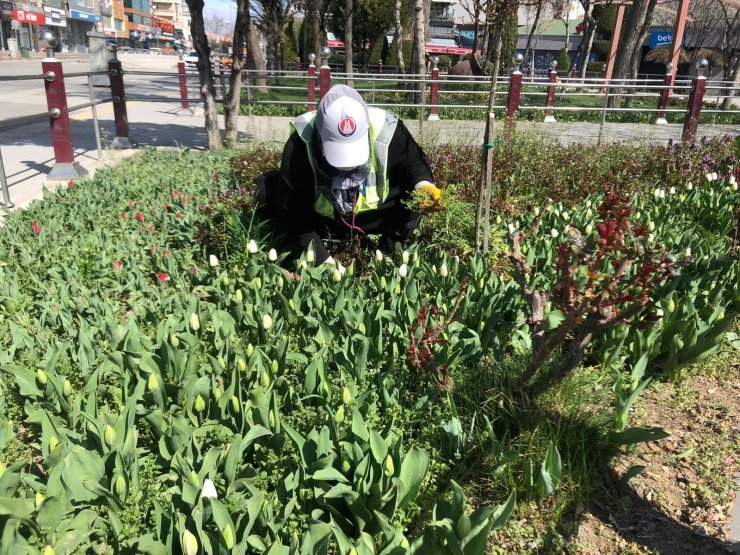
(627, 45)
(399, 38)
(255, 60)
(348, 41)
(637, 53)
(418, 61)
(590, 34)
(316, 24)
(528, 48)
(483, 214)
(232, 99)
(200, 43)
(735, 68)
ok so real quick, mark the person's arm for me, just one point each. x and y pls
(407, 164)
(295, 214)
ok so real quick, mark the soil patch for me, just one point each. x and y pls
(682, 500)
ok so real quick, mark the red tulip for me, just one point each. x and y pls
(179, 215)
(70, 184)
(117, 265)
(139, 217)
(166, 205)
(123, 215)
(162, 277)
(151, 229)
(36, 227)
(167, 252)
(153, 249)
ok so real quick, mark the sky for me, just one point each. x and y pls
(221, 8)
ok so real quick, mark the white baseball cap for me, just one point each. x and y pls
(343, 124)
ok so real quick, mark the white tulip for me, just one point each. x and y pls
(403, 270)
(536, 211)
(336, 276)
(378, 256)
(565, 215)
(554, 233)
(656, 193)
(213, 261)
(252, 246)
(662, 193)
(443, 270)
(209, 490)
(732, 180)
(589, 229)
(672, 190)
(651, 226)
(689, 186)
(302, 265)
(734, 187)
(709, 177)
(405, 257)
(589, 213)
(715, 177)
(266, 321)
(342, 270)
(687, 252)
(272, 255)
(310, 256)
(512, 229)
(659, 313)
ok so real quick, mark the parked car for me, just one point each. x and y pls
(191, 61)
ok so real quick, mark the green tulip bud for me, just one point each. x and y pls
(264, 379)
(194, 322)
(388, 467)
(443, 271)
(49, 550)
(67, 388)
(39, 498)
(152, 383)
(275, 366)
(2, 469)
(325, 389)
(671, 306)
(404, 543)
(383, 283)
(498, 219)
(238, 295)
(346, 467)
(217, 394)
(235, 404)
(339, 416)
(226, 280)
(266, 321)
(200, 404)
(174, 341)
(361, 328)
(346, 396)
(241, 364)
(222, 361)
(228, 535)
(352, 551)
(272, 419)
(42, 377)
(120, 486)
(250, 350)
(109, 435)
(53, 442)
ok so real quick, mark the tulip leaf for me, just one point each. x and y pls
(413, 469)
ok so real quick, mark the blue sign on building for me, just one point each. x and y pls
(84, 16)
(661, 38)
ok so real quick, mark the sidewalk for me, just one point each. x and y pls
(28, 155)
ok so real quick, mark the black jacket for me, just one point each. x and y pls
(407, 166)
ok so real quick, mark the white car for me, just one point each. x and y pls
(191, 61)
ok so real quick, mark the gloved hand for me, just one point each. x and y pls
(434, 196)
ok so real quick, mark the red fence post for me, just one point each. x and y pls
(553, 77)
(65, 166)
(664, 94)
(119, 101)
(515, 93)
(183, 77)
(324, 72)
(311, 82)
(696, 96)
(434, 93)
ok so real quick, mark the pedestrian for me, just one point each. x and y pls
(347, 170)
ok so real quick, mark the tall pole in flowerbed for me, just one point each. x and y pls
(696, 97)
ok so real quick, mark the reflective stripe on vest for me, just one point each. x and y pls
(382, 127)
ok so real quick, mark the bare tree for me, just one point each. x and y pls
(200, 44)
(255, 61)
(539, 4)
(232, 97)
(730, 43)
(627, 45)
(348, 41)
(399, 37)
(418, 61)
(637, 53)
(217, 25)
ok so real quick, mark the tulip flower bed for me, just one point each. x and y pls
(158, 398)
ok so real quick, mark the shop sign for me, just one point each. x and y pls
(84, 16)
(24, 16)
(55, 17)
(6, 11)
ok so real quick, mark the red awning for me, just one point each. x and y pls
(335, 44)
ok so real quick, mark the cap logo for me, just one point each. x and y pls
(347, 126)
